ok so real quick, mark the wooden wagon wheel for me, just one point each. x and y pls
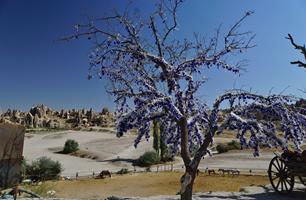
(303, 180)
(281, 179)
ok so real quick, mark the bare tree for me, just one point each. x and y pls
(153, 75)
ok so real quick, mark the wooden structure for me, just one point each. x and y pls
(283, 172)
(11, 149)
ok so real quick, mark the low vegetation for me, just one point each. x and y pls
(233, 145)
(42, 169)
(148, 158)
(70, 146)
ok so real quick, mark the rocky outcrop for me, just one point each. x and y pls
(29, 120)
(43, 117)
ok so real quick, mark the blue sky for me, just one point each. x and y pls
(36, 69)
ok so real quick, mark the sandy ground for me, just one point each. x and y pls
(108, 148)
(103, 144)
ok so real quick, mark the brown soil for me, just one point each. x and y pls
(149, 184)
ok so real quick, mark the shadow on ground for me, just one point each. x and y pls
(120, 160)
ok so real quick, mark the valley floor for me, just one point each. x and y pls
(112, 153)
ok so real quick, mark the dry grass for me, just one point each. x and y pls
(150, 184)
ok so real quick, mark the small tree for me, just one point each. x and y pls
(163, 145)
(156, 136)
(70, 146)
(160, 76)
(43, 169)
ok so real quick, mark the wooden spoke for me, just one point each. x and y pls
(303, 180)
(282, 186)
(279, 181)
(285, 183)
(275, 178)
(277, 167)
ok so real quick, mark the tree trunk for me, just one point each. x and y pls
(188, 178)
(191, 166)
(187, 181)
(184, 141)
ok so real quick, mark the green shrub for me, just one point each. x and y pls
(222, 148)
(148, 158)
(43, 169)
(71, 146)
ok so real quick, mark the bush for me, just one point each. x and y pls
(71, 146)
(43, 169)
(222, 148)
(148, 158)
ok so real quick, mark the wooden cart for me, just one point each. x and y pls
(283, 173)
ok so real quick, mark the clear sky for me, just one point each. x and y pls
(35, 69)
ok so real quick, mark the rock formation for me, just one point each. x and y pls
(43, 117)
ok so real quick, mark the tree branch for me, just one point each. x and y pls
(157, 42)
(298, 47)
